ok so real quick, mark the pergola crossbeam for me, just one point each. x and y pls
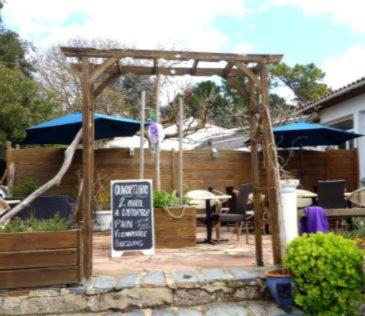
(168, 71)
(168, 55)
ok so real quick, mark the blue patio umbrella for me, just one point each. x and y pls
(63, 130)
(305, 134)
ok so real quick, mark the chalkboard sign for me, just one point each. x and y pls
(132, 216)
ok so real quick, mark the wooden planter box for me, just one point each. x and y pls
(39, 259)
(175, 232)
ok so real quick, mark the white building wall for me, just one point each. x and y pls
(355, 108)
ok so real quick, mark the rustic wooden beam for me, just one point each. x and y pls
(100, 69)
(227, 70)
(235, 84)
(272, 166)
(168, 55)
(105, 83)
(194, 67)
(255, 174)
(248, 73)
(167, 71)
(87, 165)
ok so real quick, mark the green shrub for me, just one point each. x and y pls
(17, 225)
(163, 199)
(328, 276)
(25, 188)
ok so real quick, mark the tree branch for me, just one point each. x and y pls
(56, 180)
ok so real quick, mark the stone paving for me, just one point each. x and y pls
(225, 254)
(255, 308)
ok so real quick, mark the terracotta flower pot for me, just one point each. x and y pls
(280, 284)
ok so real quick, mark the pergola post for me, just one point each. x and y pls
(87, 166)
(255, 172)
(271, 164)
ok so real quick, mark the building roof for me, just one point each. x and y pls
(190, 142)
(349, 91)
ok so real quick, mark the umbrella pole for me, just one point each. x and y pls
(181, 161)
(301, 172)
(158, 172)
(141, 148)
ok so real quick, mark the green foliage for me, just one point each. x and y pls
(328, 276)
(358, 230)
(35, 225)
(25, 188)
(304, 80)
(22, 103)
(163, 199)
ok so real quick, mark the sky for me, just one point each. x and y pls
(330, 33)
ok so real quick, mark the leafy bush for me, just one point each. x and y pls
(25, 188)
(358, 230)
(18, 225)
(163, 199)
(328, 276)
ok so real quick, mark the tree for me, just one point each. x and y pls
(13, 50)
(22, 103)
(304, 80)
(57, 77)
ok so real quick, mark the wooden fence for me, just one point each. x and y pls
(201, 169)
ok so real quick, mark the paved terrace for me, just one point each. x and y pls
(225, 254)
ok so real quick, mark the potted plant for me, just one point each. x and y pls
(280, 284)
(327, 271)
(39, 253)
(103, 214)
(175, 226)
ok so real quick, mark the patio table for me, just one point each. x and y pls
(208, 197)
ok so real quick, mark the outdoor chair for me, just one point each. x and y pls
(331, 194)
(238, 208)
(46, 207)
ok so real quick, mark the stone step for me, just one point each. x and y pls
(141, 290)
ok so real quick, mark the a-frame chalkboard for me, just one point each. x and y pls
(132, 217)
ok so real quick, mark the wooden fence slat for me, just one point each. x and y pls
(13, 279)
(38, 240)
(38, 259)
(201, 170)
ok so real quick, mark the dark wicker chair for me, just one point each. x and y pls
(238, 207)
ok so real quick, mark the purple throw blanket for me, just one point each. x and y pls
(314, 221)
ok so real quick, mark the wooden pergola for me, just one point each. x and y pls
(99, 68)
